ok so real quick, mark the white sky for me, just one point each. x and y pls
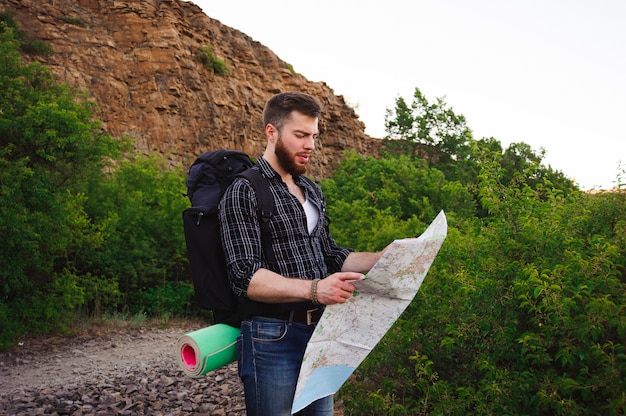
(550, 73)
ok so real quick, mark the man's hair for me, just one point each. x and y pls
(278, 109)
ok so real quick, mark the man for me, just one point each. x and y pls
(282, 301)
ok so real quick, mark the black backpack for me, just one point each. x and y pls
(208, 178)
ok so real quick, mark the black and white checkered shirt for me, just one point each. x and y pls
(298, 253)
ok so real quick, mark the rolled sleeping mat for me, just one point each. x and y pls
(207, 349)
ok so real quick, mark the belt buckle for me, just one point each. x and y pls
(309, 316)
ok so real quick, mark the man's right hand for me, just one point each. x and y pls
(337, 288)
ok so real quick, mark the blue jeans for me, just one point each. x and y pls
(270, 353)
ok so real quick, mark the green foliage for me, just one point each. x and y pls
(138, 209)
(86, 231)
(523, 310)
(432, 130)
(102, 295)
(168, 298)
(48, 146)
(77, 21)
(522, 313)
(442, 134)
(26, 43)
(212, 63)
(377, 200)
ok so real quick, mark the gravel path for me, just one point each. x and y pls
(113, 372)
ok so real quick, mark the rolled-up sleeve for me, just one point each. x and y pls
(241, 235)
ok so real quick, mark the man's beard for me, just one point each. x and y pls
(287, 160)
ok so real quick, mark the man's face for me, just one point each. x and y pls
(296, 142)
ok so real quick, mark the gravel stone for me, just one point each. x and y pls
(115, 372)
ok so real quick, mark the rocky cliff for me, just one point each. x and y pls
(140, 61)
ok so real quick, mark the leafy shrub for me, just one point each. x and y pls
(77, 21)
(521, 313)
(48, 145)
(26, 43)
(82, 235)
(212, 63)
(138, 209)
(168, 298)
(373, 201)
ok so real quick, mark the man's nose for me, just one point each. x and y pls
(309, 143)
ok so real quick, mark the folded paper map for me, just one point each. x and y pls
(347, 332)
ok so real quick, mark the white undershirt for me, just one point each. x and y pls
(312, 214)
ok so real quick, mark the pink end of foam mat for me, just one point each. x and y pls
(188, 355)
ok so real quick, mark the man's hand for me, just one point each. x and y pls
(337, 288)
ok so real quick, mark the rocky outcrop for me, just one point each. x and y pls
(139, 60)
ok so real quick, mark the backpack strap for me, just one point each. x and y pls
(265, 202)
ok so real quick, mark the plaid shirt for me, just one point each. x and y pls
(298, 253)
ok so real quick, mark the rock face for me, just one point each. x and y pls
(140, 61)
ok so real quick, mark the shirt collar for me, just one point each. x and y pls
(266, 169)
(269, 172)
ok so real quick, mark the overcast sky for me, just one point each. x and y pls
(549, 73)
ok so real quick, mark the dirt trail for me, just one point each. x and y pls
(76, 374)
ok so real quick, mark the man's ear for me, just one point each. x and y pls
(271, 132)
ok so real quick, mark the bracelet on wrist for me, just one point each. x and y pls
(314, 291)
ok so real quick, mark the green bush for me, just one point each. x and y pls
(85, 230)
(26, 43)
(521, 313)
(212, 63)
(49, 144)
(77, 21)
(168, 298)
(138, 209)
(372, 201)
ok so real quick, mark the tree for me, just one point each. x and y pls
(442, 134)
(432, 130)
(49, 143)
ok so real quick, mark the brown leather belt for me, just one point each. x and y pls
(303, 316)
